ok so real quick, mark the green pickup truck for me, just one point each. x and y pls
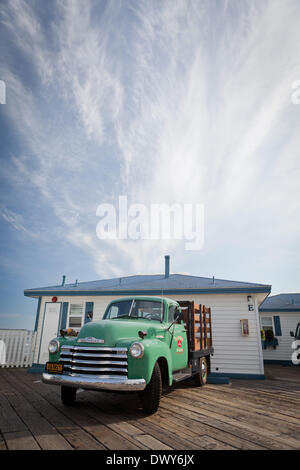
(140, 345)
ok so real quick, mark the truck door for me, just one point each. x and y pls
(178, 342)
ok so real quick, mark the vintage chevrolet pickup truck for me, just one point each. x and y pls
(140, 345)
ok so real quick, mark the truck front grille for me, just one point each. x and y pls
(94, 360)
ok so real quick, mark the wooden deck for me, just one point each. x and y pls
(261, 414)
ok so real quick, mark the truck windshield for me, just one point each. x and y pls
(297, 334)
(147, 309)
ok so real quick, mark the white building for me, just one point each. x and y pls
(280, 314)
(236, 354)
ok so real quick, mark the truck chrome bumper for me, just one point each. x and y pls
(95, 382)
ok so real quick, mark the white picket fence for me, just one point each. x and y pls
(17, 348)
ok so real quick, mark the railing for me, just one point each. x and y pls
(17, 348)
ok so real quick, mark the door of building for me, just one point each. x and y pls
(49, 330)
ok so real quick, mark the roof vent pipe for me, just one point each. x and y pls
(63, 280)
(167, 266)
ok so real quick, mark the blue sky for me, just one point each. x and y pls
(162, 101)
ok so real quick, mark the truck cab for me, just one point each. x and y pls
(141, 344)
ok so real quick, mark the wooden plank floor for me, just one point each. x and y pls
(263, 414)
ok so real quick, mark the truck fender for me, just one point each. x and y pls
(157, 351)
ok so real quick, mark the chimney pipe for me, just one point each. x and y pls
(167, 266)
(63, 280)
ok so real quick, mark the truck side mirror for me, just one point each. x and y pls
(292, 334)
(178, 316)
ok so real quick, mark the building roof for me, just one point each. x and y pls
(156, 284)
(281, 303)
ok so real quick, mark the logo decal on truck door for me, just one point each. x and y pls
(179, 340)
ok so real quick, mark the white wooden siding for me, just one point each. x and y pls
(234, 353)
(17, 348)
(288, 322)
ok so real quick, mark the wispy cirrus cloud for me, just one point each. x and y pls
(162, 101)
(15, 220)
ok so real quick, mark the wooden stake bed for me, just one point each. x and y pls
(197, 320)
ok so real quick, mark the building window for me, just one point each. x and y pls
(75, 316)
(267, 324)
(270, 326)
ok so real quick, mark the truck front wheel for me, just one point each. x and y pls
(201, 376)
(68, 395)
(150, 397)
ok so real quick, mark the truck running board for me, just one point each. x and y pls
(178, 376)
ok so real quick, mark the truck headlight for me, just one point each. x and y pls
(53, 346)
(137, 350)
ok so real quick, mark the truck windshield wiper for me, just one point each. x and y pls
(126, 316)
(132, 316)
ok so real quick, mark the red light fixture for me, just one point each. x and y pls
(54, 299)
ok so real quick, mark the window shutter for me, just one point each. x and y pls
(277, 326)
(89, 307)
(37, 314)
(64, 314)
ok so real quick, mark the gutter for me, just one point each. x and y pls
(239, 290)
(280, 309)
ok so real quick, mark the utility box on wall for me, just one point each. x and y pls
(244, 327)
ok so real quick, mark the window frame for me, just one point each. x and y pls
(173, 307)
(273, 325)
(162, 305)
(70, 315)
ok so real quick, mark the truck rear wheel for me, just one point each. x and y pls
(150, 397)
(68, 395)
(201, 377)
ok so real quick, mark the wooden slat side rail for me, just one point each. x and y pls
(197, 320)
(205, 327)
(209, 328)
(199, 340)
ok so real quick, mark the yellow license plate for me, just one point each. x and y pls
(54, 368)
